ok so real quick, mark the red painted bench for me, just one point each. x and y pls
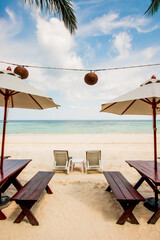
(28, 195)
(126, 195)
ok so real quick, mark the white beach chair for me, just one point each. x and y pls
(93, 160)
(61, 160)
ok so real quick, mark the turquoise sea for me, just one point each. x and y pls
(79, 126)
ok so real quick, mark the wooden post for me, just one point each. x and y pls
(4, 129)
(154, 133)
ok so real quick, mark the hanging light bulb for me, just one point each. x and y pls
(91, 78)
(9, 68)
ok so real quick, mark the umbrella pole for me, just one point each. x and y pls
(4, 130)
(155, 133)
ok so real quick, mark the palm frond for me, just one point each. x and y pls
(153, 8)
(62, 8)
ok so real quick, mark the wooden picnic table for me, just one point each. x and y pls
(11, 169)
(152, 177)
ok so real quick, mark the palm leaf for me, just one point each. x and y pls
(153, 8)
(62, 8)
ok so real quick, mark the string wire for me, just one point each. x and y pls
(82, 70)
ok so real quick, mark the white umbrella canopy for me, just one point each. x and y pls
(137, 101)
(16, 93)
(22, 94)
(144, 100)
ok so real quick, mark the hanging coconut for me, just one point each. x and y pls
(91, 78)
(21, 71)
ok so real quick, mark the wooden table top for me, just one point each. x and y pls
(11, 166)
(147, 169)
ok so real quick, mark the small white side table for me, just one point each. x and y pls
(78, 161)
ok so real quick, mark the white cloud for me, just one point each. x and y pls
(122, 43)
(79, 107)
(56, 43)
(7, 26)
(117, 82)
(150, 52)
(11, 15)
(108, 23)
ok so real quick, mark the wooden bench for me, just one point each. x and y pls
(28, 195)
(126, 195)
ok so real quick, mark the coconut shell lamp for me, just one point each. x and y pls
(91, 78)
(21, 71)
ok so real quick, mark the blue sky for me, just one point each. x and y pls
(110, 34)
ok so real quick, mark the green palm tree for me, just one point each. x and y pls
(61, 8)
(153, 8)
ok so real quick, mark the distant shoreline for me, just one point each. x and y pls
(81, 120)
(79, 126)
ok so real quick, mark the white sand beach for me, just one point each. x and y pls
(79, 208)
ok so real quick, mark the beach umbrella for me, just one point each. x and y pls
(144, 100)
(16, 93)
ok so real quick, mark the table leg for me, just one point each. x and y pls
(49, 191)
(108, 189)
(154, 217)
(141, 180)
(150, 184)
(26, 206)
(138, 184)
(156, 198)
(12, 180)
(2, 216)
(128, 208)
(156, 214)
(17, 184)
